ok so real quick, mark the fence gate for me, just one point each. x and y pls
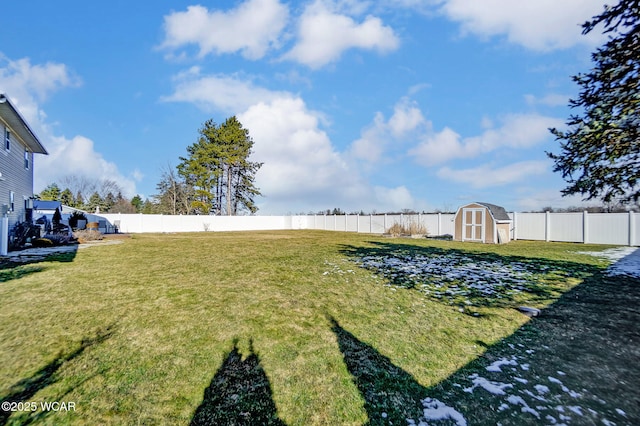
(473, 224)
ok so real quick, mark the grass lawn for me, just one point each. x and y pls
(292, 328)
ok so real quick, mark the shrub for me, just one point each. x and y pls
(409, 226)
(86, 235)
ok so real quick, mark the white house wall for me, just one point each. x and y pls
(16, 177)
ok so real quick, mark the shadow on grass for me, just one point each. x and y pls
(25, 389)
(239, 394)
(466, 278)
(391, 395)
(577, 363)
(21, 263)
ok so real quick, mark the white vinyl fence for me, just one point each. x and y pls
(598, 228)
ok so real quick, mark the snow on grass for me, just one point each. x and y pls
(437, 410)
(455, 277)
(496, 366)
(626, 260)
(496, 388)
(531, 401)
(517, 400)
(542, 389)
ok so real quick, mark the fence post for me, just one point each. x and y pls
(632, 229)
(547, 226)
(439, 224)
(515, 226)
(384, 224)
(370, 223)
(585, 227)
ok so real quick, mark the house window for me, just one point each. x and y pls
(7, 139)
(12, 206)
(26, 159)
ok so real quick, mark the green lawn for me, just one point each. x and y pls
(271, 327)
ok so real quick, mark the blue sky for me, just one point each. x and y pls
(361, 105)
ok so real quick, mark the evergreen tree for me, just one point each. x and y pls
(95, 202)
(109, 201)
(78, 201)
(600, 151)
(219, 170)
(50, 193)
(137, 203)
(66, 198)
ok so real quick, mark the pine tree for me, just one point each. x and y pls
(50, 193)
(600, 151)
(219, 170)
(66, 198)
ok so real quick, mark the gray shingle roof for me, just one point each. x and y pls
(499, 213)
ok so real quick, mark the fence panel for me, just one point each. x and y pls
(351, 223)
(567, 227)
(530, 226)
(608, 228)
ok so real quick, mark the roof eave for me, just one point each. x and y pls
(19, 125)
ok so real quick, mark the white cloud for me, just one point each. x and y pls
(324, 34)
(251, 28)
(28, 85)
(371, 144)
(220, 92)
(539, 25)
(407, 120)
(299, 159)
(77, 157)
(439, 148)
(486, 176)
(551, 99)
(517, 131)
(302, 171)
(396, 198)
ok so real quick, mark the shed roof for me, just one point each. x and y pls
(18, 125)
(498, 212)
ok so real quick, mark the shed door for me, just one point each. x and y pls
(473, 224)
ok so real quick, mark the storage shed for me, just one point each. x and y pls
(482, 222)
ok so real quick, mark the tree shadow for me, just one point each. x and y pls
(21, 263)
(239, 394)
(25, 389)
(391, 395)
(576, 363)
(465, 278)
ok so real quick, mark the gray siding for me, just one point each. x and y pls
(17, 178)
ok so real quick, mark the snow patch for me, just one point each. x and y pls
(495, 366)
(496, 388)
(517, 400)
(542, 389)
(438, 410)
(626, 260)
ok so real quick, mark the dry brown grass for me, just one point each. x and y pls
(86, 235)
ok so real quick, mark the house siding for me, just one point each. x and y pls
(17, 178)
